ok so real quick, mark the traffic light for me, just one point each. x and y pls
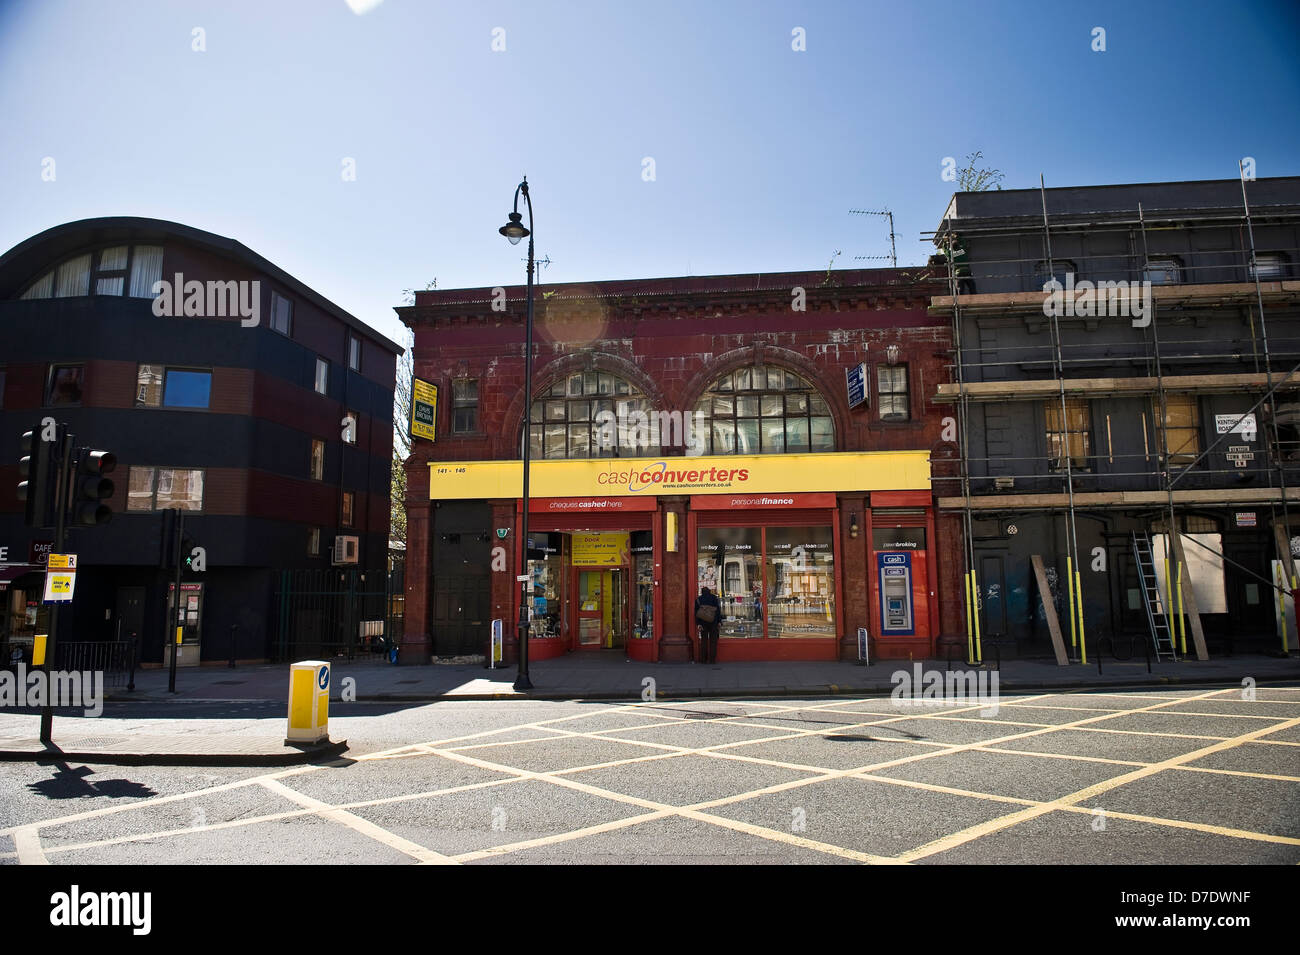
(187, 551)
(90, 488)
(36, 468)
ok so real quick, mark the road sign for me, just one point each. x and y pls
(59, 585)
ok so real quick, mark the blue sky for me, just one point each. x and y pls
(759, 150)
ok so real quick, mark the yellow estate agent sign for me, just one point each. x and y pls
(648, 477)
(424, 409)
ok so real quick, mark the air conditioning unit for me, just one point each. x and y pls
(345, 550)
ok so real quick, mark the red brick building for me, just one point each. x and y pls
(686, 431)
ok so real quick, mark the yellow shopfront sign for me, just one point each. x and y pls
(648, 477)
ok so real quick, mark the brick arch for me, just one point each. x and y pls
(546, 376)
(782, 357)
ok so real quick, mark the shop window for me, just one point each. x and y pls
(763, 410)
(891, 392)
(1069, 434)
(317, 460)
(322, 376)
(160, 489)
(800, 570)
(548, 578)
(1182, 430)
(349, 502)
(729, 562)
(464, 406)
(313, 541)
(281, 314)
(161, 387)
(777, 582)
(65, 385)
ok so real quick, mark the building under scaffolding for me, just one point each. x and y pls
(1093, 412)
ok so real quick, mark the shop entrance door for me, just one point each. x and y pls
(602, 602)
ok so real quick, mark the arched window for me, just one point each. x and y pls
(764, 410)
(119, 270)
(591, 415)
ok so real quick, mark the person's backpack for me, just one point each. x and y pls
(707, 614)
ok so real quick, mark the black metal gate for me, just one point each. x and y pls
(337, 614)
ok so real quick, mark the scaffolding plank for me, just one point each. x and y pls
(1031, 502)
(1162, 295)
(1028, 389)
(1049, 611)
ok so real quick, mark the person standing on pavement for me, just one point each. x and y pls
(707, 611)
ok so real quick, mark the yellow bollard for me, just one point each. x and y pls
(975, 589)
(309, 702)
(38, 648)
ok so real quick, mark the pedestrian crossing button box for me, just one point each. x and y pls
(309, 701)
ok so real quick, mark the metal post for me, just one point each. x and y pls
(234, 634)
(60, 532)
(135, 653)
(522, 682)
(172, 627)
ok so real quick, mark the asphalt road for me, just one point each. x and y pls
(1177, 776)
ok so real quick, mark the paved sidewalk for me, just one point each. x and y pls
(611, 676)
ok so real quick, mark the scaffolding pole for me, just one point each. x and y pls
(1275, 449)
(1072, 530)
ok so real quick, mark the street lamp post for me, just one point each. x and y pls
(514, 231)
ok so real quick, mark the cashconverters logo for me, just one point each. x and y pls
(658, 475)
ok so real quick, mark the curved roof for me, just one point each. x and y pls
(29, 258)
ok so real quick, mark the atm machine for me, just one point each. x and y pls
(895, 576)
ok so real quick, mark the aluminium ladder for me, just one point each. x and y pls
(1158, 617)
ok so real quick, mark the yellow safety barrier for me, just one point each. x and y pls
(309, 702)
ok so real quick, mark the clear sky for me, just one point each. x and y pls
(759, 150)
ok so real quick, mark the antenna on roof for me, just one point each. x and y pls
(893, 253)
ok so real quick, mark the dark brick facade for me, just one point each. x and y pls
(671, 338)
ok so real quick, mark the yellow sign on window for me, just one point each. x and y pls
(602, 549)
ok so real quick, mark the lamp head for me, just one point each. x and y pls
(514, 229)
